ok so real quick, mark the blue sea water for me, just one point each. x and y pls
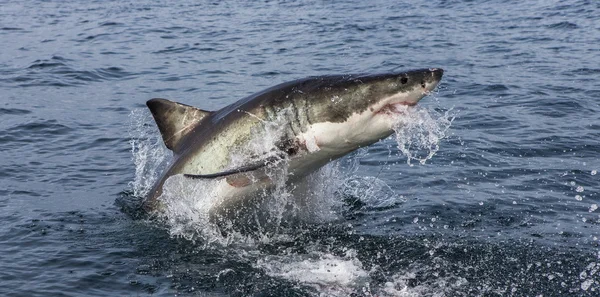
(506, 207)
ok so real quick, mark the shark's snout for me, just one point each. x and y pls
(430, 82)
(437, 73)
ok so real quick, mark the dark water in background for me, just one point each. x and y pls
(507, 207)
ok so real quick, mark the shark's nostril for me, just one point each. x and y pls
(423, 84)
(404, 80)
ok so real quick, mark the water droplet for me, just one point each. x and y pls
(419, 132)
(579, 189)
(586, 284)
(593, 207)
(594, 172)
(578, 197)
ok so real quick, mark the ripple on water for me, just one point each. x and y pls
(522, 75)
(110, 23)
(60, 72)
(185, 48)
(11, 29)
(585, 71)
(75, 252)
(563, 25)
(33, 132)
(13, 111)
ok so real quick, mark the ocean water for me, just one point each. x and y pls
(505, 202)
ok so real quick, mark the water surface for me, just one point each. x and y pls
(506, 207)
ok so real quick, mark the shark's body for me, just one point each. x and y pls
(317, 120)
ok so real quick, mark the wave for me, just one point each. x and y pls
(58, 71)
(563, 25)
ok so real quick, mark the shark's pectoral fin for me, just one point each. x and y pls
(227, 172)
(238, 180)
(175, 120)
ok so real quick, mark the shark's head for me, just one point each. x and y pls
(359, 110)
(388, 91)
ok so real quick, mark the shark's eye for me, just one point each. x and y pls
(404, 80)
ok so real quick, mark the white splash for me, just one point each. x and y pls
(187, 203)
(328, 274)
(419, 132)
(589, 277)
(150, 155)
(345, 275)
(372, 191)
(313, 200)
(399, 286)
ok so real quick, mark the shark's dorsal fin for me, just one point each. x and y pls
(174, 120)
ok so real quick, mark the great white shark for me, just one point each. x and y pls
(318, 119)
